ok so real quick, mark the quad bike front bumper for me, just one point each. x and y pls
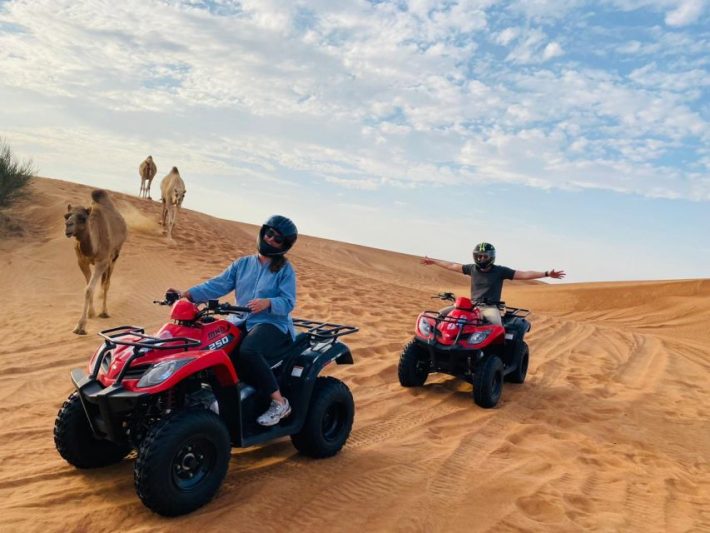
(106, 408)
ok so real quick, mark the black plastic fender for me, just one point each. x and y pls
(301, 374)
(296, 382)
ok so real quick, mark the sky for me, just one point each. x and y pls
(571, 134)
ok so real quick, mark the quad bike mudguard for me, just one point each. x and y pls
(241, 405)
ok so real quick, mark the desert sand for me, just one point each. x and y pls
(610, 431)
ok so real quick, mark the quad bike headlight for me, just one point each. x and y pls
(162, 371)
(424, 326)
(479, 337)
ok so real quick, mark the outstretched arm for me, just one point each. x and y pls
(454, 267)
(532, 274)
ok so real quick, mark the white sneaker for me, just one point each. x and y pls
(275, 413)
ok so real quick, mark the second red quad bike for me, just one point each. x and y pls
(458, 341)
(176, 399)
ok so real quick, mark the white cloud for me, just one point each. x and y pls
(507, 35)
(551, 50)
(686, 13)
(534, 47)
(359, 95)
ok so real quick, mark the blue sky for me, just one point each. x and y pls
(572, 134)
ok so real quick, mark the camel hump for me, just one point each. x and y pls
(99, 195)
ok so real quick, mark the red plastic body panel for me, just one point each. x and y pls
(217, 340)
(454, 332)
(184, 310)
(463, 303)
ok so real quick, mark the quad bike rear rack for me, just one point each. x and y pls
(323, 332)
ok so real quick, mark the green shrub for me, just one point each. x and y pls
(13, 175)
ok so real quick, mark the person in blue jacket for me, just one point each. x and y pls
(265, 283)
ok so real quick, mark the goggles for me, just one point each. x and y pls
(274, 235)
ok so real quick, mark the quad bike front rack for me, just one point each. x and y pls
(114, 337)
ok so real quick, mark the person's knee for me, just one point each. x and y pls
(248, 355)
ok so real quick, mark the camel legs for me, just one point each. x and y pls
(163, 214)
(140, 194)
(99, 270)
(150, 180)
(105, 283)
(84, 267)
(170, 220)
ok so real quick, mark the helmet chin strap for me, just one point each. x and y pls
(268, 251)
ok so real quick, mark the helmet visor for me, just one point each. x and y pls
(274, 236)
(481, 257)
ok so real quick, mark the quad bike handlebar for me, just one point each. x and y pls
(513, 311)
(451, 297)
(446, 296)
(213, 306)
(317, 330)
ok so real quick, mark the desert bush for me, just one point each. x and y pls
(14, 175)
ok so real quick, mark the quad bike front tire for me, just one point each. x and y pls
(329, 419)
(488, 382)
(75, 441)
(182, 461)
(521, 357)
(413, 365)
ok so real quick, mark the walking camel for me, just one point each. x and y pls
(146, 171)
(172, 192)
(100, 231)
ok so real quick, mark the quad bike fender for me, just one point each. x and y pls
(297, 383)
(302, 373)
(217, 361)
(517, 327)
(307, 365)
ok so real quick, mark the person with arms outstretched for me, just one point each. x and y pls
(487, 278)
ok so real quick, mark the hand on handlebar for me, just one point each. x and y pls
(172, 296)
(258, 305)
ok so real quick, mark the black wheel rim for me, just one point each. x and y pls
(193, 463)
(333, 421)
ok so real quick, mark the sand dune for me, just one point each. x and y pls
(610, 431)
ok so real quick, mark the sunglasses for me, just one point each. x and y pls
(274, 236)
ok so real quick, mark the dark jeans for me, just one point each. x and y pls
(255, 356)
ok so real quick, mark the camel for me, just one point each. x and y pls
(172, 192)
(146, 171)
(100, 231)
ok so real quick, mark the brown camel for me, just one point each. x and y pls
(100, 231)
(172, 192)
(146, 171)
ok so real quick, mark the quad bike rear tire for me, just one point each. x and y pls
(413, 367)
(329, 419)
(182, 461)
(522, 359)
(488, 382)
(75, 441)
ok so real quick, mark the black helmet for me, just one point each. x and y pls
(484, 255)
(285, 228)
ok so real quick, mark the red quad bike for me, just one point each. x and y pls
(458, 341)
(176, 399)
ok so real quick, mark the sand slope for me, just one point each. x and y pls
(610, 432)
